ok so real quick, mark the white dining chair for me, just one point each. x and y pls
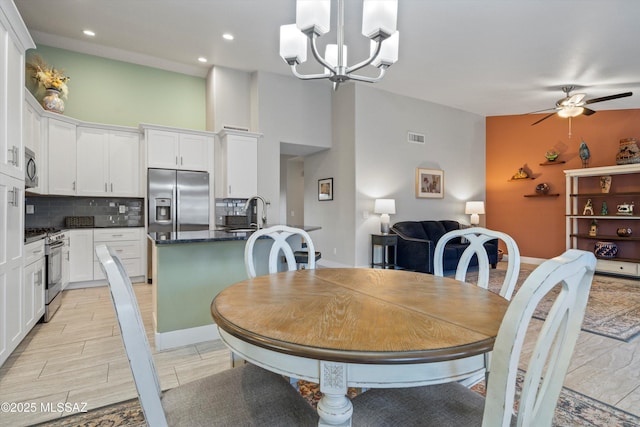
(477, 237)
(452, 404)
(279, 234)
(247, 395)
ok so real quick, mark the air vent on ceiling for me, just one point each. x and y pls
(416, 138)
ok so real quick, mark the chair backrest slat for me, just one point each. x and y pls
(133, 336)
(477, 237)
(279, 234)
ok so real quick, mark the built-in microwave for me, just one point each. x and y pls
(30, 169)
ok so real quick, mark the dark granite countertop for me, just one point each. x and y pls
(207, 235)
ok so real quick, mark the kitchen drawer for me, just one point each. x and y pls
(124, 250)
(116, 234)
(133, 266)
(618, 267)
(33, 252)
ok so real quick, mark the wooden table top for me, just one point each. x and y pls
(361, 315)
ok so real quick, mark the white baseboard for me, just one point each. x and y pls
(182, 337)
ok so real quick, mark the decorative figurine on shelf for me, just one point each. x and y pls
(588, 208)
(593, 229)
(625, 209)
(521, 174)
(605, 183)
(605, 209)
(584, 153)
(542, 188)
(551, 155)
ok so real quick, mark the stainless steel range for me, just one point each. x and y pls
(53, 245)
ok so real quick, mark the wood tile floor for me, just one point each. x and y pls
(78, 359)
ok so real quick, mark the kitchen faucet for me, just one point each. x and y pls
(264, 209)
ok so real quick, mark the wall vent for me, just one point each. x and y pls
(416, 138)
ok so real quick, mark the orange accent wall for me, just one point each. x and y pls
(538, 223)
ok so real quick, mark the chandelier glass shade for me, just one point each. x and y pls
(313, 17)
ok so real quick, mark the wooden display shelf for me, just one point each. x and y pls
(521, 179)
(542, 195)
(612, 216)
(607, 237)
(551, 163)
(625, 193)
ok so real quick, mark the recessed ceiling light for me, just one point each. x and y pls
(89, 33)
(202, 59)
(227, 36)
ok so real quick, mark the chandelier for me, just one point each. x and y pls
(313, 20)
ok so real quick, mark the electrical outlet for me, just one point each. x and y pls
(335, 251)
(122, 209)
(30, 209)
(365, 214)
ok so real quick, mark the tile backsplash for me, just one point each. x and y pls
(51, 211)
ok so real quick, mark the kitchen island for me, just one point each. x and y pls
(189, 269)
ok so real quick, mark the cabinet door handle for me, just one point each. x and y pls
(177, 160)
(181, 161)
(105, 187)
(74, 185)
(14, 151)
(117, 235)
(112, 187)
(229, 190)
(14, 196)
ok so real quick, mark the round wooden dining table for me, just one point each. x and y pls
(359, 327)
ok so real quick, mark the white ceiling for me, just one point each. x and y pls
(490, 57)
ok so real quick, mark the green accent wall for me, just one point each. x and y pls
(120, 93)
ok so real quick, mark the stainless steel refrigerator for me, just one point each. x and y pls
(178, 200)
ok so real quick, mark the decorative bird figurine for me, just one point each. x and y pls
(584, 153)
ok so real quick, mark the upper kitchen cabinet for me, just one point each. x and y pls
(179, 149)
(236, 171)
(61, 149)
(14, 41)
(32, 136)
(107, 162)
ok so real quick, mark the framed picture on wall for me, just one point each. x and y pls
(325, 189)
(429, 183)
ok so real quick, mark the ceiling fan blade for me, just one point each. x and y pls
(608, 98)
(588, 111)
(542, 111)
(544, 118)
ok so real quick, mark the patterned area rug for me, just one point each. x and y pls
(613, 309)
(574, 409)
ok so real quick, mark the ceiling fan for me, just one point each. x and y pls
(574, 105)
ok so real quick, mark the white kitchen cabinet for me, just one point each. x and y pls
(236, 171)
(11, 256)
(178, 149)
(33, 288)
(80, 255)
(128, 246)
(61, 141)
(14, 41)
(107, 163)
(32, 136)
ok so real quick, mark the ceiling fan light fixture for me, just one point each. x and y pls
(570, 112)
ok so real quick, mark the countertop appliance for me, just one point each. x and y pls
(53, 245)
(30, 169)
(178, 200)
